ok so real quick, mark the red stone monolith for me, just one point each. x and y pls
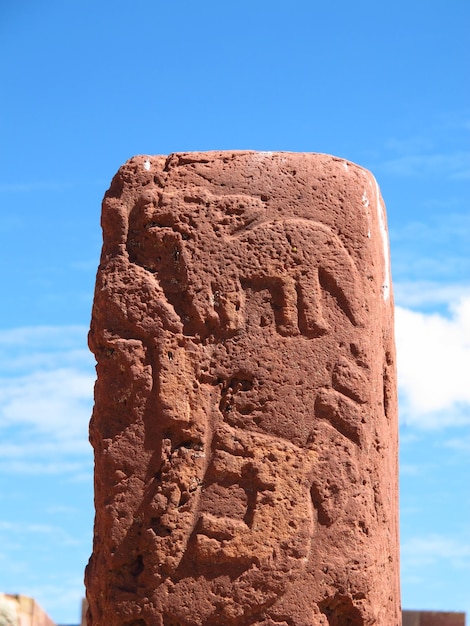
(245, 420)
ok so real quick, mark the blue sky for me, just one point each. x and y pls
(86, 85)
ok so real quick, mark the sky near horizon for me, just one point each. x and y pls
(85, 86)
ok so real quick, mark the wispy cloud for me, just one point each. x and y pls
(46, 392)
(459, 445)
(44, 418)
(47, 401)
(412, 469)
(50, 337)
(433, 365)
(33, 186)
(451, 166)
(412, 144)
(21, 528)
(433, 248)
(85, 266)
(447, 226)
(73, 471)
(60, 509)
(57, 596)
(440, 152)
(435, 548)
(418, 294)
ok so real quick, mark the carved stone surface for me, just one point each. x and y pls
(244, 426)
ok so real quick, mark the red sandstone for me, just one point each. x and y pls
(245, 426)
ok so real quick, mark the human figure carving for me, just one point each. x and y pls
(243, 397)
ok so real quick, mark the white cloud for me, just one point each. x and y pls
(416, 294)
(446, 226)
(45, 467)
(44, 361)
(31, 187)
(434, 366)
(45, 429)
(85, 266)
(43, 348)
(459, 445)
(453, 166)
(58, 597)
(59, 536)
(60, 509)
(46, 398)
(412, 144)
(22, 528)
(411, 469)
(50, 402)
(435, 548)
(43, 337)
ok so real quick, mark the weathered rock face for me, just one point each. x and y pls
(244, 426)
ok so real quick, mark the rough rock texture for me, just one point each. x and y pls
(19, 610)
(244, 428)
(433, 618)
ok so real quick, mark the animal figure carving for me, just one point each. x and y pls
(243, 401)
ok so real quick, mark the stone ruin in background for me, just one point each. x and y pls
(20, 610)
(245, 420)
(433, 618)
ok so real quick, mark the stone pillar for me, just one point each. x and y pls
(245, 420)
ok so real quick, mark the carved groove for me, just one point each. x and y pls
(244, 407)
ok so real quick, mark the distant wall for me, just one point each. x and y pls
(433, 618)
